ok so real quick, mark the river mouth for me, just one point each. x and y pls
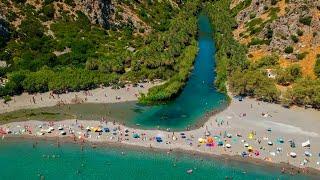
(198, 99)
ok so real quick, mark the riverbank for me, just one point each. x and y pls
(99, 95)
(259, 129)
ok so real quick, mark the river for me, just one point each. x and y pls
(23, 160)
(197, 98)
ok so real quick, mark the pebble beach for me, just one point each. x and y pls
(248, 129)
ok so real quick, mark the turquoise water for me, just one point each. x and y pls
(199, 95)
(21, 161)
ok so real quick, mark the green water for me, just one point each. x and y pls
(20, 160)
(188, 110)
(198, 97)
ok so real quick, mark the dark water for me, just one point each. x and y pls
(19, 160)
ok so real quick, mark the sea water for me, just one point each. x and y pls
(21, 159)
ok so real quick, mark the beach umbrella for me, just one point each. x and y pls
(174, 138)
(158, 139)
(210, 140)
(106, 129)
(257, 153)
(228, 145)
(280, 140)
(293, 154)
(250, 136)
(246, 145)
(244, 154)
(201, 140)
(292, 144)
(270, 143)
(136, 136)
(250, 148)
(307, 153)
(306, 144)
(229, 135)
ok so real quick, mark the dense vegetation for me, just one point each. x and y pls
(72, 54)
(230, 56)
(178, 44)
(251, 78)
(78, 55)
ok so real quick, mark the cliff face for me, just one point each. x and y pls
(268, 27)
(98, 11)
(4, 32)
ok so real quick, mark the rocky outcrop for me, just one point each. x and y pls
(98, 11)
(4, 32)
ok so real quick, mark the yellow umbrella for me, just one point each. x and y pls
(250, 136)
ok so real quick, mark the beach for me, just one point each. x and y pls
(246, 129)
(98, 95)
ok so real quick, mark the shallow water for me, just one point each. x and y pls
(20, 160)
(188, 110)
(198, 97)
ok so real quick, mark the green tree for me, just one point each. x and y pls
(317, 66)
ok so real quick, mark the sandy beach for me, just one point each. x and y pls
(99, 95)
(247, 128)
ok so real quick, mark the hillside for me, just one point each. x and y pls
(266, 49)
(283, 41)
(272, 26)
(68, 45)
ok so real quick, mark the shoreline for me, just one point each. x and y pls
(98, 95)
(289, 169)
(243, 117)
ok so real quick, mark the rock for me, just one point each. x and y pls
(98, 11)
(4, 32)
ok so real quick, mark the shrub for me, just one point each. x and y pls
(306, 20)
(294, 38)
(267, 61)
(257, 41)
(317, 66)
(301, 56)
(294, 70)
(6, 99)
(20, 1)
(49, 11)
(255, 84)
(288, 50)
(274, 2)
(252, 15)
(299, 32)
